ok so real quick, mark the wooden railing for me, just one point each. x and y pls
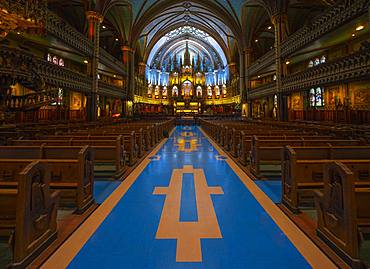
(263, 90)
(352, 67)
(350, 116)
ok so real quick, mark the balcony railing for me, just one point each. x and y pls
(261, 91)
(38, 74)
(107, 59)
(69, 35)
(322, 24)
(263, 62)
(352, 67)
(330, 20)
(111, 90)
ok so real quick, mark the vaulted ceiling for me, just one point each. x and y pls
(234, 24)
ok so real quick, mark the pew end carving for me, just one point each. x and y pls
(33, 210)
(342, 210)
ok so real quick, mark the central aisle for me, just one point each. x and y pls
(206, 218)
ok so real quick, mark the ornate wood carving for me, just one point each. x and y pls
(68, 34)
(351, 67)
(36, 212)
(22, 15)
(20, 66)
(263, 62)
(331, 19)
(264, 90)
(65, 32)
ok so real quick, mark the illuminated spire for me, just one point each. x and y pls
(198, 63)
(175, 62)
(187, 61)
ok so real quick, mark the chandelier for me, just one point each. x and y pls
(22, 15)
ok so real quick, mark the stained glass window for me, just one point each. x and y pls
(275, 100)
(317, 61)
(312, 98)
(316, 97)
(60, 96)
(319, 97)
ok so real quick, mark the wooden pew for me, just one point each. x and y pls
(104, 152)
(303, 169)
(138, 135)
(72, 170)
(28, 212)
(343, 210)
(243, 150)
(117, 151)
(128, 142)
(268, 152)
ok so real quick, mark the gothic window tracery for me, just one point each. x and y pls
(316, 97)
(317, 61)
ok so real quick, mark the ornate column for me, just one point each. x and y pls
(247, 62)
(129, 61)
(242, 72)
(3, 105)
(233, 74)
(280, 23)
(94, 19)
(128, 55)
(141, 70)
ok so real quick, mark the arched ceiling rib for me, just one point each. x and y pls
(235, 24)
(168, 48)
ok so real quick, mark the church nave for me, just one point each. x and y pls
(185, 207)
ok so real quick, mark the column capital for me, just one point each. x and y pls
(95, 16)
(142, 64)
(279, 17)
(127, 49)
(248, 50)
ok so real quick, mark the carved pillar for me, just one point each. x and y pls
(280, 24)
(129, 61)
(248, 60)
(141, 75)
(3, 106)
(242, 77)
(94, 20)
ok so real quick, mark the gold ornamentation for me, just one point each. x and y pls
(22, 15)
